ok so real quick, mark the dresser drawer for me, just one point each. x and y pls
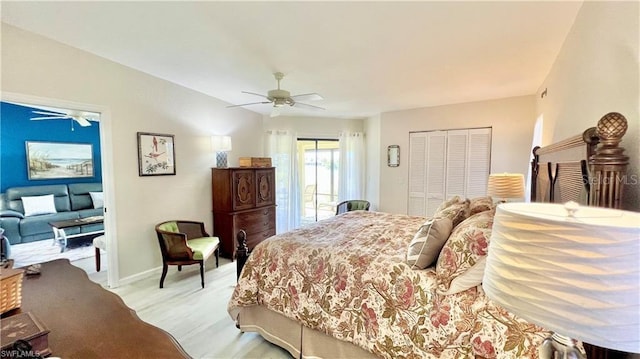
(254, 238)
(256, 221)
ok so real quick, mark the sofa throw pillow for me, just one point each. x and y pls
(455, 208)
(427, 242)
(461, 263)
(97, 198)
(36, 205)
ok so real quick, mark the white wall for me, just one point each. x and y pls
(597, 71)
(36, 66)
(313, 127)
(512, 121)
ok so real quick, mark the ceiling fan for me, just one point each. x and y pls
(82, 118)
(279, 98)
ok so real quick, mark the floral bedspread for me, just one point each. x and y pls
(347, 277)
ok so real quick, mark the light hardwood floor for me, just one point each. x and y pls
(196, 317)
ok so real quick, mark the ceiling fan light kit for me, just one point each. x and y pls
(280, 98)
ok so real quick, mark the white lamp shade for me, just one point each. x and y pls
(221, 143)
(579, 277)
(506, 185)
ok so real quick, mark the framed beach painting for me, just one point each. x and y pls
(49, 160)
(156, 156)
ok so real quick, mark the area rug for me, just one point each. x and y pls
(25, 254)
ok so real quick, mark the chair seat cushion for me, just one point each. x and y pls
(203, 247)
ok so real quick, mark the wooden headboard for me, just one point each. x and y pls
(586, 168)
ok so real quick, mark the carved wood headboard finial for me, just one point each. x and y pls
(608, 164)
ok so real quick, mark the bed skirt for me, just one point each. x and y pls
(298, 340)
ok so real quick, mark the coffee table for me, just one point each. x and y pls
(61, 238)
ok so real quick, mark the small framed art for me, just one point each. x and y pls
(156, 155)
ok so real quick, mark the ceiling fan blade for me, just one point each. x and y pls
(48, 113)
(82, 121)
(253, 93)
(306, 105)
(251, 103)
(50, 118)
(308, 97)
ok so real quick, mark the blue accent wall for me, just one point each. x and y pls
(16, 128)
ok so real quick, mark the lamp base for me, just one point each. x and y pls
(221, 159)
(560, 347)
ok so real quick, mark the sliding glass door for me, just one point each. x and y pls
(318, 178)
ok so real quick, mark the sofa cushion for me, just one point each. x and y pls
(36, 205)
(61, 196)
(40, 224)
(79, 194)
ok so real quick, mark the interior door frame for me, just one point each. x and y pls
(106, 149)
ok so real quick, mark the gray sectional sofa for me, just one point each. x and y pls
(72, 201)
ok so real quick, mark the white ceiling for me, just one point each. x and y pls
(362, 57)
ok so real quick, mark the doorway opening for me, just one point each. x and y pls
(319, 178)
(109, 276)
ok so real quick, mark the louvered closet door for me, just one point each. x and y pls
(417, 173)
(456, 173)
(435, 174)
(443, 164)
(479, 164)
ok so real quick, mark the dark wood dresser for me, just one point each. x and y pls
(87, 321)
(243, 198)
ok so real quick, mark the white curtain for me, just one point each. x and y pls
(281, 147)
(351, 169)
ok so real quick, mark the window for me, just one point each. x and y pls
(318, 178)
(443, 164)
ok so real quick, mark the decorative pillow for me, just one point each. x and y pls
(36, 205)
(428, 241)
(461, 262)
(480, 204)
(456, 209)
(97, 198)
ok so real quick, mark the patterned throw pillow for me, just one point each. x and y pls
(481, 204)
(427, 243)
(461, 262)
(455, 208)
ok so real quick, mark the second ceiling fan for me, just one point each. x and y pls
(279, 98)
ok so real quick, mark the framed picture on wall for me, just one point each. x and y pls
(49, 160)
(156, 156)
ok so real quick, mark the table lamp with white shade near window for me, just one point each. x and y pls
(221, 145)
(570, 269)
(504, 186)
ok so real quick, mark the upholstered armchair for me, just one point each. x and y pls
(184, 243)
(352, 205)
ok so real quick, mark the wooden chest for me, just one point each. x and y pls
(243, 199)
(27, 327)
(255, 161)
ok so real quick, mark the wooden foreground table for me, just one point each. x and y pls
(87, 321)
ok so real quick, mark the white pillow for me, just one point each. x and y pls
(36, 205)
(97, 198)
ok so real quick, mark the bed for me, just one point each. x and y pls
(344, 287)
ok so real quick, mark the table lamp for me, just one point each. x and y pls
(570, 269)
(221, 145)
(503, 186)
